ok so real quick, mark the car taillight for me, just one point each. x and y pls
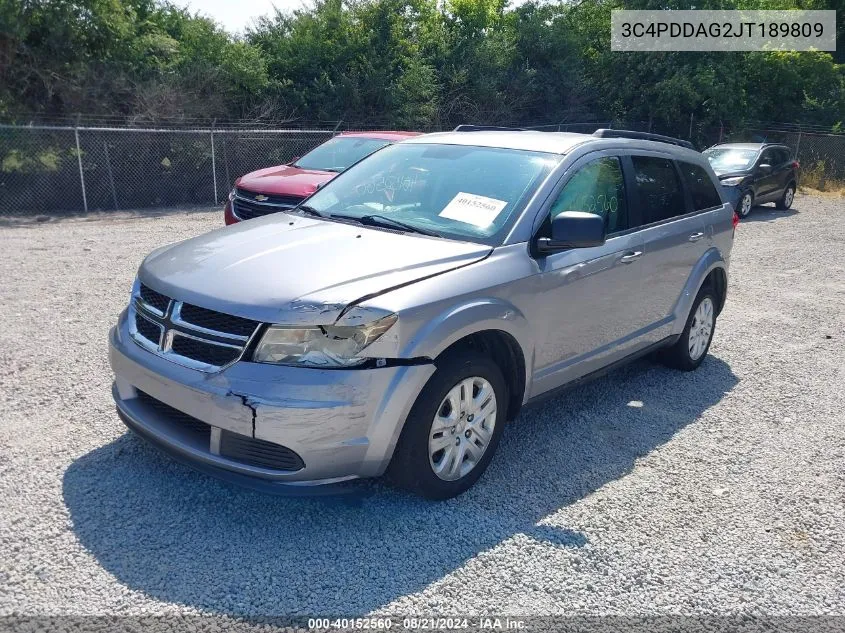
(735, 221)
(795, 164)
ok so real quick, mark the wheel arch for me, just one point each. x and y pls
(710, 269)
(505, 351)
(717, 279)
(492, 325)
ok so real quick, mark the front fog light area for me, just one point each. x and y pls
(320, 346)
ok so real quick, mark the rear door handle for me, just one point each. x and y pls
(695, 237)
(627, 258)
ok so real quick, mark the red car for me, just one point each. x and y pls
(285, 186)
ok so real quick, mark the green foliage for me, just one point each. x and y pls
(404, 63)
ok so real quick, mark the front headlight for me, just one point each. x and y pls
(731, 182)
(321, 346)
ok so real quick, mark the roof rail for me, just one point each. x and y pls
(644, 136)
(486, 128)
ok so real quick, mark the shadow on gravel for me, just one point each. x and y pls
(182, 537)
(769, 214)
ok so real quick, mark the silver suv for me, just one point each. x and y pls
(399, 317)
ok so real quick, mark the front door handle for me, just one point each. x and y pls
(695, 237)
(627, 258)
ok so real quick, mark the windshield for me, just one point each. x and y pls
(339, 153)
(728, 159)
(456, 191)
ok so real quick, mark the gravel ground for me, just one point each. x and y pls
(646, 492)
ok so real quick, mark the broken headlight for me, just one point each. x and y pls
(321, 346)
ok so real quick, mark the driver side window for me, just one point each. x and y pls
(767, 158)
(597, 188)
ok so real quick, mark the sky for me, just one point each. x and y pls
(235, 15)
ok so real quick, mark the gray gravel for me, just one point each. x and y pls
(648, 492)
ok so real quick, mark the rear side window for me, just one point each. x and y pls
(658, 187)
(704, 194)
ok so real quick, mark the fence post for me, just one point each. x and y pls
(213, 165)
(798, 145)
(81, 175)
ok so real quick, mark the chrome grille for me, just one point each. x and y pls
(201, 351)
(217, 321)
(154, 299)
(245, 206)
(189, 335)
(150, 330)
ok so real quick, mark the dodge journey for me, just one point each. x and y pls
(394, 321)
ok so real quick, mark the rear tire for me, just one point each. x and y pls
(691, 348)
(786, 199)
(745, 204)
(450, 436)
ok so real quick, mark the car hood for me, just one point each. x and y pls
(723, 173)
(286, 268)
(285, 180)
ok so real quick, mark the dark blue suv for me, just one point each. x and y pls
(755, 173)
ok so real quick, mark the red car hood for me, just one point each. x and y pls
(284, 180)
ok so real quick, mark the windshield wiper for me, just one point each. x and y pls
(384, 221)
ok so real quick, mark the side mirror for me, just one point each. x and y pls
(573, 229)
(765, 168)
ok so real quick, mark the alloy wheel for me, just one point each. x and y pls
(745, 205)
(701, 329)
(788, 197)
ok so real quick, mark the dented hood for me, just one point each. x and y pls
(290, 269)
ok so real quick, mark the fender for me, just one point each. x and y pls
(435, 336)
(708, 262)
(471, 317)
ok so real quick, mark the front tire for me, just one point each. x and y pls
(745, 204)
(786, 199)
(453, 428)
(690, 349)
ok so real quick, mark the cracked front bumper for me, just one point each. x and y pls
(344, 424)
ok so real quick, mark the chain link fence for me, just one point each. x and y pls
(54, 170)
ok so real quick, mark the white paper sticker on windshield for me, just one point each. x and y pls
(472, 209)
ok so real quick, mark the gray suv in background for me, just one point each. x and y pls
(399, 317)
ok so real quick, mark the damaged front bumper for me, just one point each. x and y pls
(343, 424)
